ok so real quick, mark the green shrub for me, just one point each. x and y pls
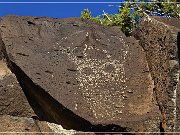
(131, 12)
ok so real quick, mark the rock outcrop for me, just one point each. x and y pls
(81, 75)
(87, 77)
(160, 39)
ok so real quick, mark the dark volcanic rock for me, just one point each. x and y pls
(81, 75)
(160, 39)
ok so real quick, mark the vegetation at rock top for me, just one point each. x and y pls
(130, 13)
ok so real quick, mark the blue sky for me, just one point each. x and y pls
(56, 10)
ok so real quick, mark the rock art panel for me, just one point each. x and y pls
(94, 71)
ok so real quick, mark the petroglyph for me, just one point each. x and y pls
(95, 74)
(91, 77)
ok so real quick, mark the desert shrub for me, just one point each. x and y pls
(130, 13)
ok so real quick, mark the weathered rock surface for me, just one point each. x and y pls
(160, 40)
(81, 75)
(23, 125)
(12, 99)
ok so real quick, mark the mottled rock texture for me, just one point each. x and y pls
(22, 125)
(12, 99)
(81, 75)
(160, 40)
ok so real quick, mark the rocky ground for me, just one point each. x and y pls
(81, 76)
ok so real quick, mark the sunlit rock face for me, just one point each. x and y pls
(12, 99)
(23, 125)
(98, 74)
(160, 38)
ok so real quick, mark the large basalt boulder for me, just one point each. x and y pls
(81, 75)
(160, 39)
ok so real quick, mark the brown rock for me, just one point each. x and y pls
(160, 39)
(85, 76)
(12, 99)
(22, 125)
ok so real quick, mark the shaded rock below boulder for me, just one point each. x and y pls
(81, 75)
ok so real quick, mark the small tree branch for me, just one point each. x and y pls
(107, 16)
